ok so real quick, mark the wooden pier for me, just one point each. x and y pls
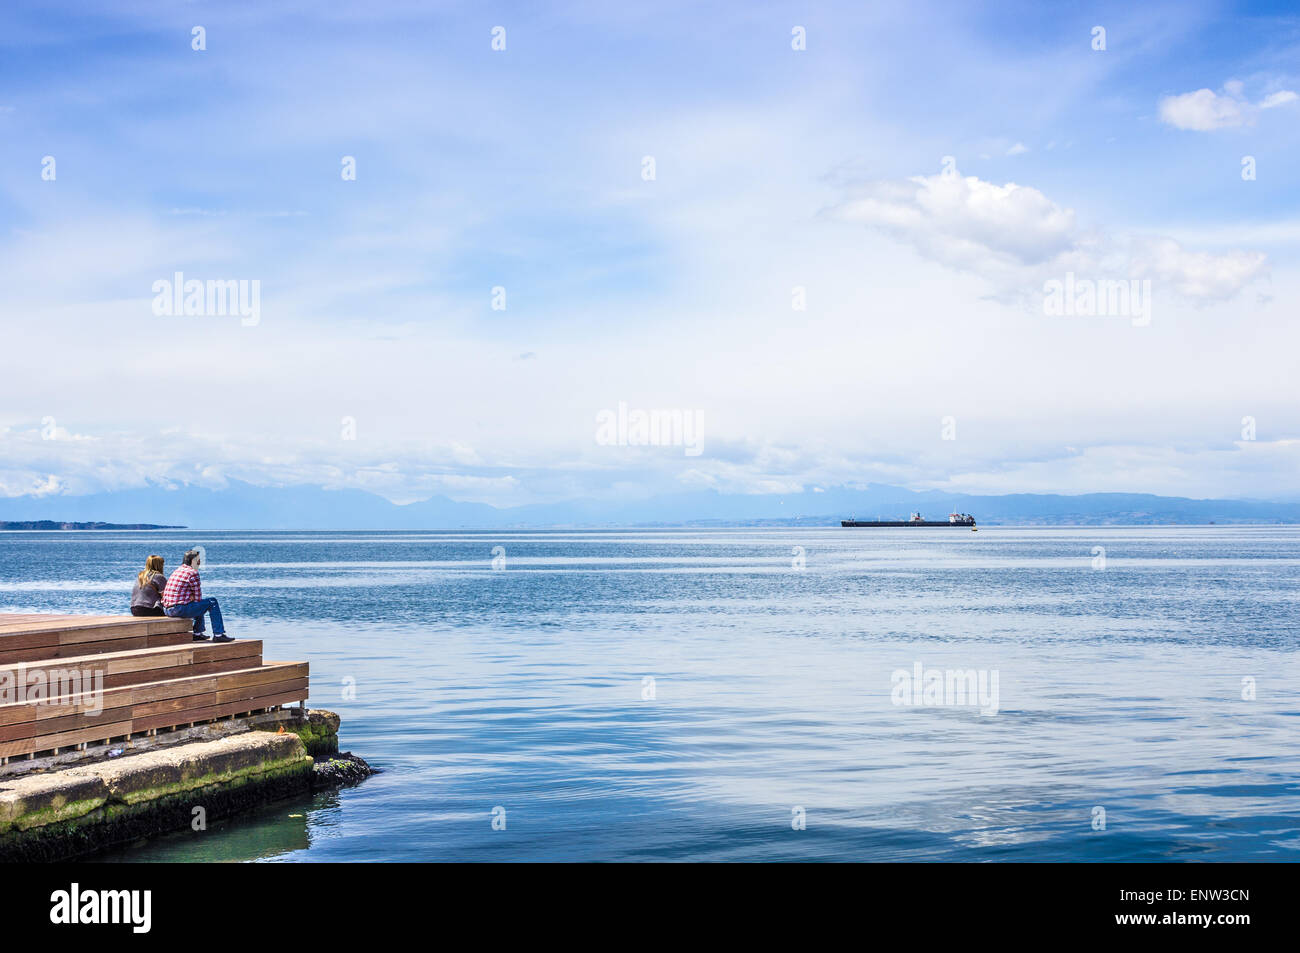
(119, 677)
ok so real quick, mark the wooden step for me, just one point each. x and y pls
(115, 706)
(135, 665)
(144, 693)
(28, 638)
(129, 675)
(280, 696)
(29, 727)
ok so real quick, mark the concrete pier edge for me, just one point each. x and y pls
(66, 811)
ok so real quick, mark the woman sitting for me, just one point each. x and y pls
(146, 597)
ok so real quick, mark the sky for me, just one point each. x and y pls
(837, 261)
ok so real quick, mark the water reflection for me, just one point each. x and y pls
(266, 833)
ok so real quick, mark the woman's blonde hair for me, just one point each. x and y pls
(154, 564)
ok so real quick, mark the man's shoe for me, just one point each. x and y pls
(222, 638)
(201, 638)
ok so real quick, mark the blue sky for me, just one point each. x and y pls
(819, 169)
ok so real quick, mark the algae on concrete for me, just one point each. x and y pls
(319, 731)
(64, 813)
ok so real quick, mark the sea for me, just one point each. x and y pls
(808, 694)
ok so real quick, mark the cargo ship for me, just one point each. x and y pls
(954, 519)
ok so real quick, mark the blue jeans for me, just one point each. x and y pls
(195, 610)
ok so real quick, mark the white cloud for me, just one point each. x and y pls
(1016, 237)
(1280, 98)
(1196, 275)
(965, 222)
(24, 483)
(1202, 110)
(1205, 110)
(1203, 472)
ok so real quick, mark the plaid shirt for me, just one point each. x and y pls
(182, 587)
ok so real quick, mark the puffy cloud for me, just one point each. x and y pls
(1279, 98)
(965, 222)
(1196, 275)
(1205, 110)
(1016, 237)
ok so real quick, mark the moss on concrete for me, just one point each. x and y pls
(63, 814)
(113, 824)
(84, 808)
(318, 731)
(317, 739)
(67, 811)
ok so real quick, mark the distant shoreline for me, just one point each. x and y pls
(52, 525)
(488, 531)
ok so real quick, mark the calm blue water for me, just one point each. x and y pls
(525, 688)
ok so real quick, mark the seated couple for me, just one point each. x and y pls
(180, 596)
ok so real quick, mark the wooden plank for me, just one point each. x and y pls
(42, 653)
(163, 674)
(109, 662)
(224, 710)
(264, 674)
(256, 691)
(172, 706)
(66, 623)
(118, 663)
(27, 712)
(87, 629)
(141, 627)
(28, 640)
(145, 665)
(160, 624)
(102, 633)
(181, 706)
(43, 742)
(68, 721)
(111, 699)
(140, 634)
(47, 619)
(49, 684)
(157, 639)
(46, 652)
(65, 739)
(232, 687)
(114, 663)
(135, 660)
(18, 712)
(156, 691)
(265, 701)
(13, 618)
(56, 618)
(236, 649)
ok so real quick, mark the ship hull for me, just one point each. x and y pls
(893, 523)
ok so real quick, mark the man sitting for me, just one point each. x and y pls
(183, 598)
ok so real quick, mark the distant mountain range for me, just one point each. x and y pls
(244, 506)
